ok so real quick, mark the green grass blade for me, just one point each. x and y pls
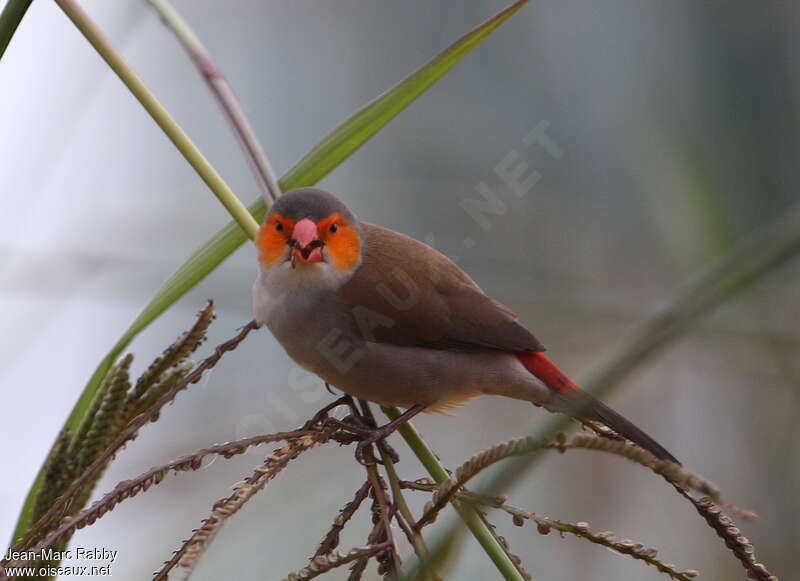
(10, 18)
(326, 156)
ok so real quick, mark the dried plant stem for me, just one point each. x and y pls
(194, 547)
(132, 429)
(323, 564)
(581, 529)
(427, 485)
(673, 473)
(358, 568)
(413, 538)
(130, 488)
(384, 512)
(219, 87)
(468, 514)
(376, 535)
(331, 540)
(506, 547)
(606, 539)
(727, 530)
(405, 519)
(172, 356)
(669, 470)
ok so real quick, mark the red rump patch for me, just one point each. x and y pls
(547, 372)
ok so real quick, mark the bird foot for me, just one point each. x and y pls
(366, 436)
(378, 435)
(321, 417)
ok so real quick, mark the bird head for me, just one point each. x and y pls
(307, 229)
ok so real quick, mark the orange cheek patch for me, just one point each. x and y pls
(270, 242)
(343, 246)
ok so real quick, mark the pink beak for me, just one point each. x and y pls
(307, 245)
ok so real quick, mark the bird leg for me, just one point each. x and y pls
(376, 435)
(354, 423)
(322, 415)
(367, 416)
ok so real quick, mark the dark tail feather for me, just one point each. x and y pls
(627, 429)
(592, 409)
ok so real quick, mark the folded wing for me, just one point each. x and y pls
(407, 293)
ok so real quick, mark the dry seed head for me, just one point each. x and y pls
(543, 528)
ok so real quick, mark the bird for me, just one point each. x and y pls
(390, 320)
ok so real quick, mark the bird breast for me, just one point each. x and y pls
(296, 305)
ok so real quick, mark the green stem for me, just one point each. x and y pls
(467, 513)
(160, 115)
(9, 21)
(397, 492)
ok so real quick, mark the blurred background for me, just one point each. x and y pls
(675, 126)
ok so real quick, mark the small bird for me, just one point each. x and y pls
(390, 320)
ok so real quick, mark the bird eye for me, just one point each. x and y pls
(334, 228)
(279, 226)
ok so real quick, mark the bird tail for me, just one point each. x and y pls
(587, 407)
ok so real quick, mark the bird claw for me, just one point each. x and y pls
(321, 417)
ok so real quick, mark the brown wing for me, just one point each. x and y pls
(407, 293)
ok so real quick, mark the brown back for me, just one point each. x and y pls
(408, 293)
